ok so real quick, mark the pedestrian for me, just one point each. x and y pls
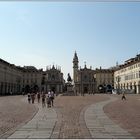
(123, 97)
(29, 97)
(51, 97)
(33, 97)
(43, 100)
(23, 93)
(48, 102)
(38, 97)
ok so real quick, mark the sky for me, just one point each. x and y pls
(41, 33)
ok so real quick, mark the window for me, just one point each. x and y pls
(53, 77)
(137, 75)
(85, 77)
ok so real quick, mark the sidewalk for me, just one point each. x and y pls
(100, 126)
(41, 126)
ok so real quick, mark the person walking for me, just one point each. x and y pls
(51, 97)
(33, 97)
(29, 98)
(38, 97)
(48, 102)
(43, 100)
(123, 97)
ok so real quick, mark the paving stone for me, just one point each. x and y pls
(18, 137)
(69, 122)
(41, 126)
(106, 127)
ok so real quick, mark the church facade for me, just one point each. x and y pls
(87, 80)
(53, 79)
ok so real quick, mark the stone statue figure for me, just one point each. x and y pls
(69, 78)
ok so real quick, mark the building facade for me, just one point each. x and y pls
(10, 78)
(89, 81)
(104, 80)
(31, 79)
(16, 79)
(127, 75)
(53, 79)
(85, 81)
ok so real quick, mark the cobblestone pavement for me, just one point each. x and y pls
(73, 117)
(67, 123)
(100, 126)
(41, 126)
(14, 111)
(126, 113)
(70, 111)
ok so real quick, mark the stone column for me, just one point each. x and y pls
(48, 87)
(13, 88)
(5, 88)
(0, 89)
(138, 88)
(57, 88)
(45, 88)
(135, 89)
(8, 87)
(78, 88)
(61, 89)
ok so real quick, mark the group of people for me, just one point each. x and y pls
(44, 97)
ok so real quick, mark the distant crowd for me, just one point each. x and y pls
(45, 98)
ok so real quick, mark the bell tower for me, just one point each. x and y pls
(75, 66)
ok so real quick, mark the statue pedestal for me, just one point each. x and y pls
(69, 88)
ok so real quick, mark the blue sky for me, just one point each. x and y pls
(43, 33)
